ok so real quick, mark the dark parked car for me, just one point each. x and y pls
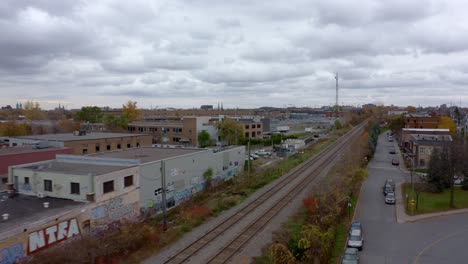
(395, 161)
(392, 150)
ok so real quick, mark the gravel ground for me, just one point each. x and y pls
(254, 247)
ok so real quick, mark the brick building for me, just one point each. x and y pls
(86, 143)
(421, 120)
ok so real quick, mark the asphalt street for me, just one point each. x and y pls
(437, 240)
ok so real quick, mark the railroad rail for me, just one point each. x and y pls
(321, 160)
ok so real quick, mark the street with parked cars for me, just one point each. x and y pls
(388, 237)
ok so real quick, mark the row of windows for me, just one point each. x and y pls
(107, 186)
(252, 134)
(155, 129)
(253, 126)
(108, 147)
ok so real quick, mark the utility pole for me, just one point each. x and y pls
(163, 186)
(248, 160)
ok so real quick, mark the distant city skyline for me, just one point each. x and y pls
(184, 54)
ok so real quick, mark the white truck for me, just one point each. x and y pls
(40, 144)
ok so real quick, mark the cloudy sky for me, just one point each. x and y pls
(185, 53)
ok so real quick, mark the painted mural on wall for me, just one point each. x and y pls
(51, 235)
(110, 213)
(11, 254)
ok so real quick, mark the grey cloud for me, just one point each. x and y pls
(228, 22)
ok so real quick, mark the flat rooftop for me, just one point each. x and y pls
(148, 154)
(24, 149)
(72, 137)
(74, 167)
(427, 129)
(23, 209)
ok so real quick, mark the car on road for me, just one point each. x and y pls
(392, 150)
(351, 256)
(389, 186)
(356, 239)
(263, 152)
(390, 139)
(355, 226)
(457, 180)
(390, 198)
(395, 161)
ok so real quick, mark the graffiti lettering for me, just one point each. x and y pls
(10, 254)
(52, 235)
(115, 204)
(127, 210)
(182, 195)
(98, 213)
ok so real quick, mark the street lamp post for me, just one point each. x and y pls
(349, 207)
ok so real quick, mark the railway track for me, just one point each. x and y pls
(319, 161)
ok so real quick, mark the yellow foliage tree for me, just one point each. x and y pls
(33, 111)
(447, 122)
(13, 129)
(131, 111)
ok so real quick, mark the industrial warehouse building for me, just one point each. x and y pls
(81, 194)
(82, 142)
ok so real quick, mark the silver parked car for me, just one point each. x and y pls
(390, 198)
(351, 256)
(356, 240)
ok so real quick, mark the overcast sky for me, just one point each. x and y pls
(243, 53)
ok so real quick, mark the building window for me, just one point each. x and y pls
(108, 147)
(246, 134)
(98, 148)
(138, 144)
(246, 126)
(74, 188)
(128, 181)
(118, 146)
(48, 185)
(176, 139)
(422, 150)
(26, 180)
(253, 134)
(129, 145)
(85, 151)
(259, 126)
(108, 186)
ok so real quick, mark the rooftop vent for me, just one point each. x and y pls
(46, 204)
(5, 217)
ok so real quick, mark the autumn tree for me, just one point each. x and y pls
(447, 122)
(396, 123)
(65, 125)
(90, 114)
(230, 131)
(131, 112)
(33, 111)
(13, 129)
(411, 109)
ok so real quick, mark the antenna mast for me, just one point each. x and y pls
(336, 97)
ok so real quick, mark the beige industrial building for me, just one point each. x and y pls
(83, 143)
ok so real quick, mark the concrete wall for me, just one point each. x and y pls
(60, 183)
(184, 175)
(22, 241)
